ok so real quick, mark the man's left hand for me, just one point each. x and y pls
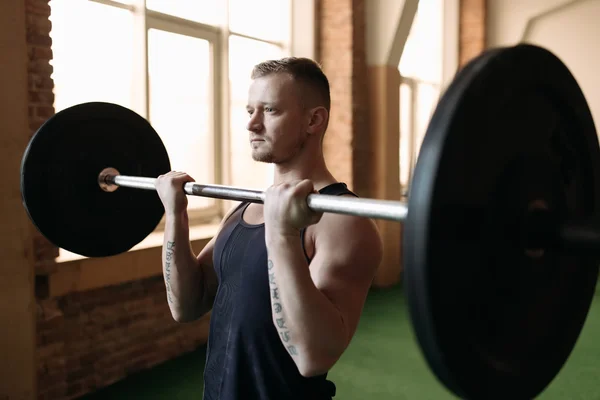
(286, 211)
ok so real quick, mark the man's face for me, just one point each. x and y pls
(277, 125)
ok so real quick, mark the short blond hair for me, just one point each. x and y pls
(304, 70)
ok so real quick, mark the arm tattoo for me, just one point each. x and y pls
(169, 257)
(278, 309)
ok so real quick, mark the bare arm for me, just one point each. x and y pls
(316, 310)
(190, 280)
(180, 269)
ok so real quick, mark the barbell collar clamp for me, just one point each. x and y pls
(106, 179)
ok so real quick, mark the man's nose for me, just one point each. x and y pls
(254, 123)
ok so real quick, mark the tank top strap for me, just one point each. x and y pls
(240, 207)
(337, 189)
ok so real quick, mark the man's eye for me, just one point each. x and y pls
(268, 109)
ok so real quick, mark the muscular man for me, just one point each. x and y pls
(286, 285)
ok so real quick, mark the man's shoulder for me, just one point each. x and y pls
(348, 233)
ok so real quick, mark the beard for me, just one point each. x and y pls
(266, 155)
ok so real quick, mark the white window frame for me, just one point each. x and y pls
(302, 42)
(144, 20)
(450, 49)
(414, 85)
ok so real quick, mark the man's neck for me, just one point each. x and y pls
(314, 169)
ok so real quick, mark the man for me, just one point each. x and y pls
(286, 285)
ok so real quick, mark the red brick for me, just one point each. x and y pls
(75, 390)
(36, 7)
(41, 97)
(342, 50)
(39, 39)
(51, 380)
(39, 42)
(50, 350)
(44, 111)
(38, 82)
(41, 66)
(79, 374)
(40, 53)
(56, 363)
(56, 391)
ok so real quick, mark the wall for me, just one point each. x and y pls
(568, 28)
(41, 98)
(472, 29)
(341, 52)
(356, 144)
(88, 340)
(17, 306)
(507, 19)
(354, 147)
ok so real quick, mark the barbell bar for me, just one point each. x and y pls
(390, 210)
(497, 271)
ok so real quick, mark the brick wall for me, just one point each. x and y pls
(472, 20)
(362, 138)
(89, 340)
(41, 98)
(341, 52)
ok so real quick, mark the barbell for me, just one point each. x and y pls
(499, 241)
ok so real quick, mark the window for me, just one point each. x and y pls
(421, 77)
(91, 63)
(182, 64)
(262, 19)
(180, 104)
(206, 11)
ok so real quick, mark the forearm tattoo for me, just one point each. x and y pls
(279, 314)
(169, 257)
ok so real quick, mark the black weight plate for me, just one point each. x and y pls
(59, 179)
(496, 320)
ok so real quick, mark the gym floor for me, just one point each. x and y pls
(383, 362)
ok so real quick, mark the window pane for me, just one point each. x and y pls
(264, 19)
(414, 121)
(406, 137)
(205, 11)
(180, 104)
(422, 55)
(427, 96)
(90, 62)
(244, 54)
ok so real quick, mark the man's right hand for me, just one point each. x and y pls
(170, 190)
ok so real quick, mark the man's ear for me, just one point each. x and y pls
(318, 120)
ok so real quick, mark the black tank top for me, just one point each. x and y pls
(245, 358)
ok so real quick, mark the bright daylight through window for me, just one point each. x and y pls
(421, 77)
(182, 64)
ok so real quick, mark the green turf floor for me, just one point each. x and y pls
(382, 362)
